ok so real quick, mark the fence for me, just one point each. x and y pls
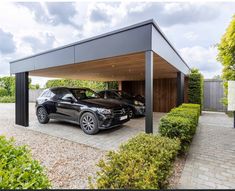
(213, 93)
(34, 94)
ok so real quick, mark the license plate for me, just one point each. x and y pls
(123, 117)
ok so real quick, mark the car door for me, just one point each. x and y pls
(65, 107)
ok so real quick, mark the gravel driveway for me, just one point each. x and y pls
(69, 164)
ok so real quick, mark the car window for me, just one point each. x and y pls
(124, 94)
(61, 93)
(43, 94)
(51, 94)
(84, 94)
(112, 95)
(47, 93)
(101, 94)
(66, 95)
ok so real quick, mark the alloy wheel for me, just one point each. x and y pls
(130, 113)
(41, 114)
(88, 123)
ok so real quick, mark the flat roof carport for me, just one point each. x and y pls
(137, 52)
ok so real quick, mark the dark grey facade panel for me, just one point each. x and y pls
(57, 58)
(47, 60)
(136, 38)
(22, 65)
(126, 42)
(22, 99)
(161, 46)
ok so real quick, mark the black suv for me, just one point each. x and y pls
(82, 106)
(136, 105)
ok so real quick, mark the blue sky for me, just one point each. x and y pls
(193, 28)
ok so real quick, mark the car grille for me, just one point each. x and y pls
(120, 111)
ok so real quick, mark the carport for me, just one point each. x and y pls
(138, 54)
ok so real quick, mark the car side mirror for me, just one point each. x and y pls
(69, 99)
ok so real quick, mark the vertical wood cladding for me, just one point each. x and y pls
(164, 92)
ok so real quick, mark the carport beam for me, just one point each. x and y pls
(180, 88)
(149, 92)
(22, 99)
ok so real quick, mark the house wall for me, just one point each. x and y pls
(164, 92)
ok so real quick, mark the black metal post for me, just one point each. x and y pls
(149, 92)
(22, 99)
(180, 88)
(234, 119)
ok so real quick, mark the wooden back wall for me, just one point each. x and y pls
(164, 92)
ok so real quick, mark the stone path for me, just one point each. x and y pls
(211, 160)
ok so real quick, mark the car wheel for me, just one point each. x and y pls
(42, 115)
(131, 113)
(89, 123)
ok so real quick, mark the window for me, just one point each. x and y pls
(47, 93)
(60, 93)
(112, 95)
(66, 95)
(124, 95)
(84, 94)
(101, 94)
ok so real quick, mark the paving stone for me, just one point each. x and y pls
(211, 159)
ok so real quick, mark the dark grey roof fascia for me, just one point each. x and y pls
(151, 21)
(163, 35)
(89, 39)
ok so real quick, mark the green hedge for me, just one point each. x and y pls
(181, 123)
(3, 92)
(7, 99)
(177, 127)
(192, 106)
(195, 87)
(144, 162)
(17, 168)
(189, 113)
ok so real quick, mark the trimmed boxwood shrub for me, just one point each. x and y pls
(144, 162)
(191, 114)
(181, 123)
(192, 106)
(177, 127)
(195, 87)
(17, 168)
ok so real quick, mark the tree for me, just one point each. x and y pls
(8, 83)
(226, 54)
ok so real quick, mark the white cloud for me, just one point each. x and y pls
(202, 58)
(191, 27)
(192, 36)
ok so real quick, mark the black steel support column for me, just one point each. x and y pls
(234, 119)
(149, 92)
(180, 88)
(22, 99)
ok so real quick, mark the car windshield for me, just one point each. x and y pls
(84, 94)
(124, 95)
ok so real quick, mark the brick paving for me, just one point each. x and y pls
(211, 160)
(104, 140)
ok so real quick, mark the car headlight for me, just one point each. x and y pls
(138, 103)
(104, 111)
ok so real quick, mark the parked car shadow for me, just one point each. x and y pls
(74, 125)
